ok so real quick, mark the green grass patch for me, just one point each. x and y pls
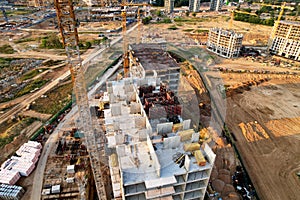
(5, 62)
(177, 57)
(18, 12)
(6, 49)
(202, 31)
(38, 83)
(14, 130)
(56, 99)
(31, 74)
(24, 40)
(164, 21)
(173, 27)
(188, 30)
(50, 63)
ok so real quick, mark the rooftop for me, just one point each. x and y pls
(225, 32)
(153, 57)
(290, 22)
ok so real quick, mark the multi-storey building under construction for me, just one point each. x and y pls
(155, 154)
(147, 162)
(286, 41)
(225, 43)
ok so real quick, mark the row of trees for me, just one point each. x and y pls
(52, 41)
(253, 19)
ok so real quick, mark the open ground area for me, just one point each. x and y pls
(265, 123)
(262, 100)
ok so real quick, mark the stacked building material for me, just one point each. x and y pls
(11, 192)
(71, 169)
(22, 164)
(191, 146)
(186, 135)
(24, 168)
(55, 189)
(33, 144)
(23, 150)
(9, 176)
(199, 158)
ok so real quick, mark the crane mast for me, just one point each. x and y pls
(67, 24)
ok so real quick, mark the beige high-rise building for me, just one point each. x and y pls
(169, 6)
(216, 5)
(194, 5)
(286, 42)
(224, 43)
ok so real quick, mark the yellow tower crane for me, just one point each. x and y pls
(125, 42)
(67, 25)
(276, 23)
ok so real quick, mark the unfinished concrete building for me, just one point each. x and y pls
(167, 163)
(169, 6)
(216, 5)
(225, 43)
(151, 60)
(286, 41)
(101, 2)
(194, 5)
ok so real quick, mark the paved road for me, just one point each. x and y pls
(16, 109)
(39, 176)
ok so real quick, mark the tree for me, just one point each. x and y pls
(51, 42)
(158, 13)
(88, 44)
(187, 13)
(194, 14)
(146, 20)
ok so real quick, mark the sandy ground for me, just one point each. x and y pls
(265, 122)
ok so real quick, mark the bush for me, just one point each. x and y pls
(38, 83)
(30, 74)
(88, 45)
(6, 49)
(24, 40)
(253, 19)
(173, 27)
(51, 42)
(146, 20)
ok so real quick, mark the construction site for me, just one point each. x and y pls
(163, 114)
